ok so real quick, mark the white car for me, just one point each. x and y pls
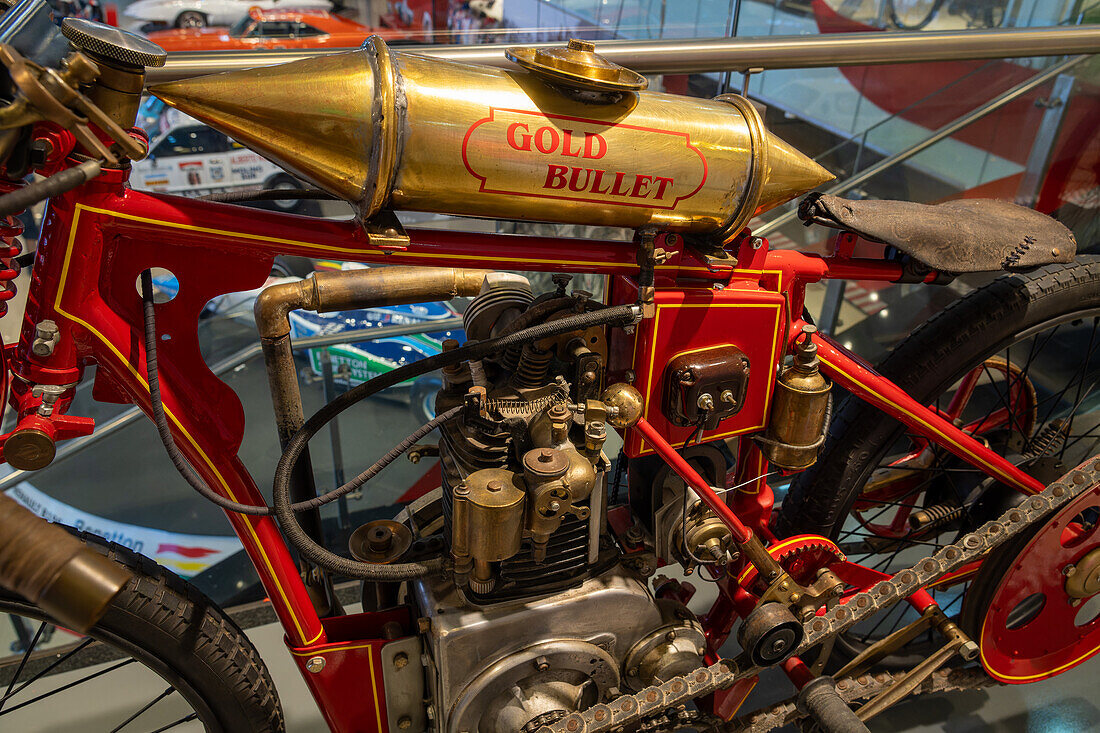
(188, 158)
(150, 15)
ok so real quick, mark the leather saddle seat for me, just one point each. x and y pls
(967, 235)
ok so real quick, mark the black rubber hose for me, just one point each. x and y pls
(197, 482)
(268, 194)
(820, 700)
(55, 185)
(621, 315)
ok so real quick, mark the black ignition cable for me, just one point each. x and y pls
(284, 510)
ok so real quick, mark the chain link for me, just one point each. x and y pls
(632, 708)
(863, 688)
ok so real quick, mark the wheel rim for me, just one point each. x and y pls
(1036, 626)
(52, 665)
(285, 204)
(1012, 396)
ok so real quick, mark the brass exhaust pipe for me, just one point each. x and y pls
(326, 292)
(48, 566)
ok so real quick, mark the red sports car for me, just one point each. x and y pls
(275, 29)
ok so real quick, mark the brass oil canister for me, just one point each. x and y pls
(799, 410)
(487, 523)
(568, 138)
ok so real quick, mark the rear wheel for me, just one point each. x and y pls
(210, 676)
(1017, 365)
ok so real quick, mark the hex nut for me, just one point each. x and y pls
(315, 664)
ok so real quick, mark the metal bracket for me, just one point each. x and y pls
(385, 231)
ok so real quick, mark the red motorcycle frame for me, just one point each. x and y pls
(97, 239)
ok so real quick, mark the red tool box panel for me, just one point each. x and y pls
(700, 323)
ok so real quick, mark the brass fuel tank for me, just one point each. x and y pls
(566, 138)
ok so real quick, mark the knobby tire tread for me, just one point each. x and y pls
(181, 627)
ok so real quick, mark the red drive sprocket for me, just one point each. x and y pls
(1034, 606)
(801, 556)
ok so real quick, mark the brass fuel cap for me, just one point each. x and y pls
(577, 66)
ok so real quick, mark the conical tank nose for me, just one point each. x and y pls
(790, 174)
(385, 129)
(312, 117)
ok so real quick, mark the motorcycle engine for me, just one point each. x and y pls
(540, 618)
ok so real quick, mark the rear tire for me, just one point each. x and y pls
(302, 207)
(1010, 310)
(171, 628)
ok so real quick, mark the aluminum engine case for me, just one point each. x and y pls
(612, 611)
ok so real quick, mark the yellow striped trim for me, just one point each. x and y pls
(931, 428)
(123, 360)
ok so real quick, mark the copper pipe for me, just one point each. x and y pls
(48, 566)
(333, 291)
(325, 292)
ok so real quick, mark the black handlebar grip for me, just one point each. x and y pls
(48, 566)
(820, 700)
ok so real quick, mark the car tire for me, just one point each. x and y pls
(302, 207)
(191, 19)
(288, 266)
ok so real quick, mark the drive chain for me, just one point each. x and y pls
(862, 688)
(631, 708)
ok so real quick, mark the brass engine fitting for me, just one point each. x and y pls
(487, 525)
(624, 405)
(549, 494)
(799, 412)
(703, 537)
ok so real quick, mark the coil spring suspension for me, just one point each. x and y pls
(1047, 441)
(935, 516)
(10, 248)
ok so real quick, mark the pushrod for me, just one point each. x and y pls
(700, 55)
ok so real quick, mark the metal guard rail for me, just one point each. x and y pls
(248, 353)
(700, 55)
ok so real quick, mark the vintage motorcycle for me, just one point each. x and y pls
(526, 593)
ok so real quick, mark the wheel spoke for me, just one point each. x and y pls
(181, 721)
(148, 705)
(22, 662)
(55, 691)
(52, 665)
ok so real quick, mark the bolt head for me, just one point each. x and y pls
(400, 660)
(404, 722)
(315, 664)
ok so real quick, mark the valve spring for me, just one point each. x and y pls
(511, 357)
(10, 247)
(533, 367)
(935, 516)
